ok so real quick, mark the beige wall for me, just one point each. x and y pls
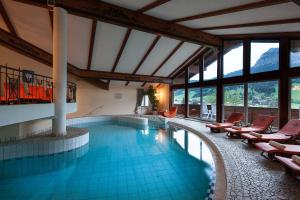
(163, 91)
(90, 99)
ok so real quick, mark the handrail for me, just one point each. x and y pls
(24, 86)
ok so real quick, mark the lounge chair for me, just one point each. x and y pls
(232, 120)
(259, 125)
(171, 113)
(269, 150)
(292, 165)
(289, 132)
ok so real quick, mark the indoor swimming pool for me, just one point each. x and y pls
(120, 162)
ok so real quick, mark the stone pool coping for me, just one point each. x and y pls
(221, 183)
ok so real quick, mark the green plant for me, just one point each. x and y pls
(152, 94)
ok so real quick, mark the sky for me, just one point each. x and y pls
(233, 60)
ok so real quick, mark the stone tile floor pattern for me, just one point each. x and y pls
(249, 175)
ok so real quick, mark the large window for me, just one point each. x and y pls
(263, 99)
(194, 102)
(179, 100)
(194, 73)
(233, 99)
(210, 64)
(264, 56)
(233, 58)
(295, 98)
(209, 100)
(295, 53)
(180, 79)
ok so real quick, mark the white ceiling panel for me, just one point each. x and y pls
(130, 4)
(259, 29)
(161, 50)
(275, 12)
(186, 50)
(79, 35)
(2, 24)
(108, 40)
(179, 8)
(136, 46)
(32, 23)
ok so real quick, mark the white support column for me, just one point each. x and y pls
(60, 70)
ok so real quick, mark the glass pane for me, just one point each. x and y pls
(178, 100)
(295, 98)
(194, 102)
(210, 65)
(264, 56)
(180, 79)
(209, 99)
(263, 99)
(233, 59)
(233, 99)
(194, 73)
(295, 53)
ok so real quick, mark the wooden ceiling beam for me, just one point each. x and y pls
(145, 56)
(106, 12)
(193, 60)
(92, 41)
(296, 2)
(264, 23)
(239, 8)
(183, 64)
(121, 51)
(6, 19)
(51, 18)
(98, 83)
(166, 59)
(152, 5)
(25, 48)
(295, 34)
(124, 77)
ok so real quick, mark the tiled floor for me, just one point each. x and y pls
(249, 175)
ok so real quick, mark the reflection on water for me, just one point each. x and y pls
(189, 142)
(41, 164)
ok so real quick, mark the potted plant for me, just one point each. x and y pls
(151, 92)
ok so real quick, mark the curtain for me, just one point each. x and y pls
(140, 94)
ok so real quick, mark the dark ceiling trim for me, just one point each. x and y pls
(264, 23)
(239, 8)
(152, 5)
(183, 64)
(145, 56)
(92, 41)
(6, 19)
(295, 34)
(102, 11)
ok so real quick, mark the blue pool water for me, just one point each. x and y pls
(120, 162)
